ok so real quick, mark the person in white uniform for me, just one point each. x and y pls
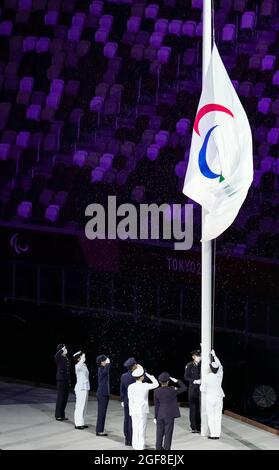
(211, 386)
(138, 405)
(82, 388)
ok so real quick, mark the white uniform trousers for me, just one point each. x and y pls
(81, 406)
(214, 407)
(139, 422)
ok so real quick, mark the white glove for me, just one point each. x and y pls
(155, 421)
(197, 382)
(64, 349)
(107, 360)
(213, 352)
(173, 380)
(122, 404)
(149, 375)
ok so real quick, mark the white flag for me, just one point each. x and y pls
(220, 169)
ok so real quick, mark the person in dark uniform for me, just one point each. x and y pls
(126, 380)
(166, 409)
(63, 381)
(193, 377)
(103, 392)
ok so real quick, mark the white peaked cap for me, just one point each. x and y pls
(138, 372)
(77, 353)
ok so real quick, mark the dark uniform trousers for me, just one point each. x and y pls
(102, 411)
(164, 428)
(127, 428)
(62, 398)
(192, 373)
(194, 405)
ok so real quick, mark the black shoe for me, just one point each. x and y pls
(79, 427)
(209, 437)
(85, 426)
(216, 437)
(195, 431)
(62, 419)
(101, 434)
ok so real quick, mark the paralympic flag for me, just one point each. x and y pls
(220, 168)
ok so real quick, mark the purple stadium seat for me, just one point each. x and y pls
(197, 4)
(105, 22)
(275, 78)
(133, 24)
(121, 177)
(60, 198)
(11, 70)
(83, 48)
(127, 149)
(264, 105)
(267, 8)
(161, 26)
(33, 112)
(101, 35)
(79, 20)
(164, 54)
(74, 33)
(189, 29)
(110, 49)
(24, 4)
(162, 138)
(23, 139)
(39, 97)
(80, 158)
(183, 126)
(175, 27)
(248, 21)
(239, 5)
(52, 213)
(6, 28)
(137, 52)
(180, 169)
(156, 40)
(43, 45)
(57, 86)
(110, 176)
(142, 38)
(51, 18)
(245, 89)
(106, 161)
(199, 29)
(53, 100)
(76, 115)
(4, 151)
(273, 136)
(268, 62)
(102, 89)
(96, 8)
(153, 151)
(151, 11)
(150, 53)
(138, 193)
(255, 62)
(229, 33)
(26, 84)
(267, 164)
(24, 209)
(29, 43)
(97, 174)
(9, 137)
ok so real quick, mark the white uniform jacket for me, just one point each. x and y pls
(138, 396)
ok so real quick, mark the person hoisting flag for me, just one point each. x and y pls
(220, 169)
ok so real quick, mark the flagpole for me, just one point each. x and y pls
(206, 245)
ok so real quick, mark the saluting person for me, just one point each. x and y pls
(63, 381)
(138, 405)
(103, 393)
(166, 409)
(82, 388)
